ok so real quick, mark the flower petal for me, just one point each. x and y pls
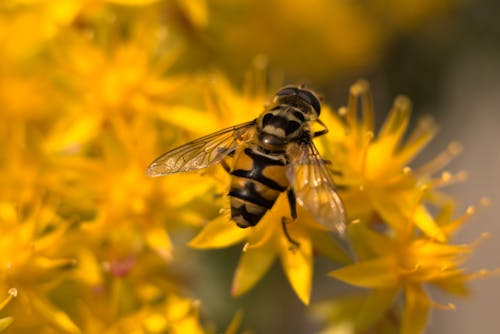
(382, 272)
(54, 315)
(426, 223)
(297, 264)
(235, 323)
(395, 208)
(219, 233)
(368, 242)
(374, 307)
(178, 115)
(326, 245)
(253, 264)
(5, 322)
(416, 310)
(158, 239)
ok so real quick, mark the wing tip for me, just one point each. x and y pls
(151, 172)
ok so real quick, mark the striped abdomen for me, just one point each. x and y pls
(257, 180)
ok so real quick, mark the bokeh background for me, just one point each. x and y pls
(444, 55)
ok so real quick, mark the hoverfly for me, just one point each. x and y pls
(271, 154)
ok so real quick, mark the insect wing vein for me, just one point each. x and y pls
(202, 152)
(314, 188)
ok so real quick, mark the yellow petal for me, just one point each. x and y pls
(200, 122)
(416, 310)
(219, 233)
(454, 285)
(196, 11)
(298, 267)
(426, 223)
(381, 272)
(70, 134)
(374, 307)
(54, 315)
(155, 323)
(183, 316)
(325, 244)
(5, 322)
(395, 208)
(198, 186)
(158, 239)
(369, 242)
(253, 264)
(88, 270)
(235, 324)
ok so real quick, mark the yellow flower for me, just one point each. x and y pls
(33, 262)
(405, 266)
(158, 313)
(107, 134)
(400, 246)
(374, 174)
(103, 223)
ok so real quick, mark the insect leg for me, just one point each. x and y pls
(224, 163)
(293, 203)
(321, 132)
(284, 221)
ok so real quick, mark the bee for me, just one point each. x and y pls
(271, 154)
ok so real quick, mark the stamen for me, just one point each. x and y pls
(484, 236)
(407, 170)
(367, 138)
(483, 273)
(442, 159)
(448, 178)
(342, 111)
(359, 87)
(245, 247)
(12, 293)
(485, 201)
(447, 307)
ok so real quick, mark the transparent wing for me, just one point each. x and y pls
(314, 188)
(202, 152)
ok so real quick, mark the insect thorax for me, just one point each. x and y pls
(281, 125)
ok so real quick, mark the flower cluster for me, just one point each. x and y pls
(92, 91)
(401, 248)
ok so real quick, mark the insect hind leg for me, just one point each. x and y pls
(284, 221)
(225, 165)
(227, 156)
(294, 243)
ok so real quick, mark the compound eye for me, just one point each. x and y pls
(311, 99)
(288, 90)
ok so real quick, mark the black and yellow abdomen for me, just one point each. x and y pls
(258, 177)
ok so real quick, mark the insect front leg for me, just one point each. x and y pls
(321, 132)
(284, 221)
